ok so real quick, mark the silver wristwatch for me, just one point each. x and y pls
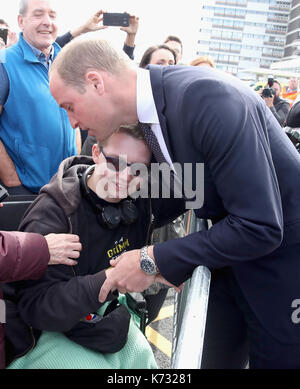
(147, 263)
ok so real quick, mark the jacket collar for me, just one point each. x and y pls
(28, 53)
(156, 77)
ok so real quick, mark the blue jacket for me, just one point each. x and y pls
(35, 131)
(251, 189)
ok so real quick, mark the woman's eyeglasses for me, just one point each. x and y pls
(120, 164)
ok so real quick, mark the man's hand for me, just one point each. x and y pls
(8, 173)
(127, 276)
(93, 24)
(2, 44)
(12, 38)
(133, 25)
(159, 278)
(63, 247)
(269, 101)
(131, 30)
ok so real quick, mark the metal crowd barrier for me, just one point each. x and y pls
(190, 310)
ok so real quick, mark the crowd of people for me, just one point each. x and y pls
(81, 127)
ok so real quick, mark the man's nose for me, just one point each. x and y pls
(125, 175)
(73, 121)
(129, 176)
(46, 19)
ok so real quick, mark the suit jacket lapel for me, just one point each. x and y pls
(157, 90)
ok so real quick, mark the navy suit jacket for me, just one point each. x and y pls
(251, 189)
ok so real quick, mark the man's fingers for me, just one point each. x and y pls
(104, 291)
(162, 280)
(72, 237)
(73, 254)
(67, 262)
(114, 262)
(106, 288)
(64, 261)
(179, 288)
(75, 246)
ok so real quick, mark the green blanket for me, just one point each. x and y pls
(55, 351)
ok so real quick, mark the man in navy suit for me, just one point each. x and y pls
(251, 194)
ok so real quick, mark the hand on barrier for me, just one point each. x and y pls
(162, 280)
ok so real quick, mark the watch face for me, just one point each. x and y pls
(148, 266)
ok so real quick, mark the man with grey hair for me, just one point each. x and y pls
(201, 116)
(35, 134)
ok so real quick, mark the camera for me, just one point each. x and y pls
(116, 19)
(294, 135)
(269, 91)
(4, 34)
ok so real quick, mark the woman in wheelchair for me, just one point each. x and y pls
(57, 322)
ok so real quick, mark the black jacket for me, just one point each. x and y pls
(251, 188)
(293, 119)
(65, 295)
(280, 110)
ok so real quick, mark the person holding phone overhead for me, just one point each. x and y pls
(35, 132)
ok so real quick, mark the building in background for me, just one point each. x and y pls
(292, 45)
(291, 59)
(242, 34)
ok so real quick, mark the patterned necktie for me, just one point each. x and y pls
(152, 142)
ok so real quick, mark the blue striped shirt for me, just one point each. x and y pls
(4, 81)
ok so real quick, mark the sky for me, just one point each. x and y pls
(158, 19)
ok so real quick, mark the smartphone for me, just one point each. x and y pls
(3, 34)
(116, 19)
(3, 193)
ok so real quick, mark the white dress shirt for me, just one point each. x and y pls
(146, 110)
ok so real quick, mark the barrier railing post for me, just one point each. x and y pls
(190, 310)
(2, 312)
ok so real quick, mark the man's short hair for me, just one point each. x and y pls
(80, 56)
(277, 82)
(175, 39)
(23, 7)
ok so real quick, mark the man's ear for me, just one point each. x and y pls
(20, 22)
(95, 153)
(95, 79)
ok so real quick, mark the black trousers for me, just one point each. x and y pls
(234, 336)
